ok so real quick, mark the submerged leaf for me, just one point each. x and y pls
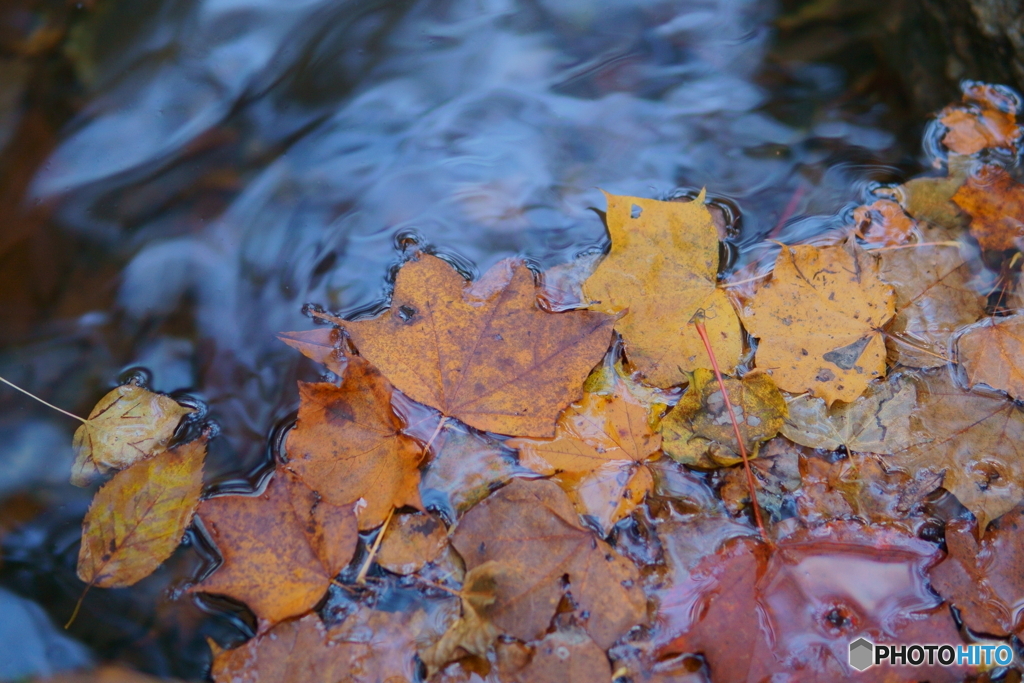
(348, 445)
(661, 270)
(128, 424)
(934, 297)
(884, 224)
(138, 518)
(992, 353)
(985, 119)
(699, 431)
(411, 541)
(280, 549)
(877, 422)
(975, 440)
(818, 320)
(995, 202)
(482, 352)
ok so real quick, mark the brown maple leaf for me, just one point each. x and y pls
(411, 541)
(884, 223)
(128, 424)
(985, 580)
(794, 612)
(975, 440)
(992, 353)
(818, 320)
(483, 352)
(995, 202)
(600, 447)
(138, 518)
(280, 549)
(348, 445)
(530, 529)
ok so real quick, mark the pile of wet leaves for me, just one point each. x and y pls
(630, 466)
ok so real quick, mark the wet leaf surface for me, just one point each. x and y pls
(884, 224)
(992, 353)
(699, 432)
(974, 439)
(818, 591)
(139, 517)
(411, 541)
(818, 321)
(280, 549)
(565, 657)
(660, 271)
(324, 345)
(985, 580)
(531, 530)
(348, 445)
(128, 424)
(877, 422)
(599, 449)
(482, 352)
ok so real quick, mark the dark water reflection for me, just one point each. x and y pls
(181, 176)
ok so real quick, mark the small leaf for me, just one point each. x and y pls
(992, 353)
(995, 202)
(128, 424)
(985, 119)
(138, 518)
(411, 541)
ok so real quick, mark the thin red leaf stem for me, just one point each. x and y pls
(698, 322)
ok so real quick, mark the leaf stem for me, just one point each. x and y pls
(78, 606)
(49, 405)
(698, 322)
(361, 577)
(327, 317)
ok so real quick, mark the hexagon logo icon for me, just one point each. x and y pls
(861, 654)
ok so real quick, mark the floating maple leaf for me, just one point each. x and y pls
(818, 320)
(794, 611)
(985, 580)
(138, 518)
(483, 352)
(531, 529)
(884, 223)
(599, 449)
(347, 445)
(128, 424)
(985, 118)
(698, 431)
(661, 270)
(992, 353)
(975, 440)
(280, 549)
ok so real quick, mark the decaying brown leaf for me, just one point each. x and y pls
(819, 320)
(877, 422)
(348, 446)
(104, 674)
(565, 657)
(776, 472)
(280, 549)
(884, 223)
(992, 353)
(934, 296)
(930, 200)
(661, 270)
(128, 424)
(411, 541)
(325, 345)
(985, 118)
(369, 646)
(138, 518)
(482, 352)
(756, 610)
(532, 531)
(985, 580)
(975, 440)
(995, 202)
(600, 447)
(699, 432)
